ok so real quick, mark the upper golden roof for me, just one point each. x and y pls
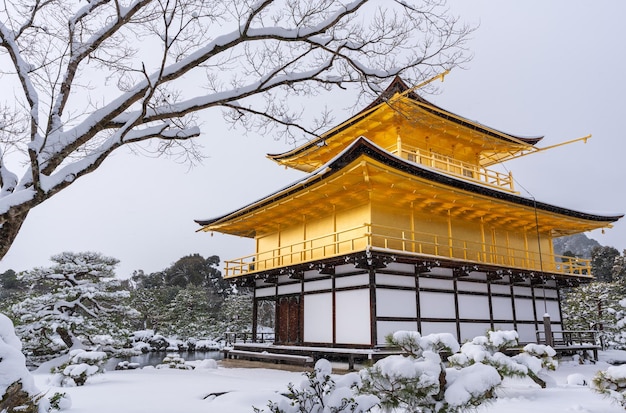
(400, 117)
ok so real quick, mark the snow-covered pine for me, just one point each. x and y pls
(420, 381)
(318, 392)
(490, 350)
(72, 303)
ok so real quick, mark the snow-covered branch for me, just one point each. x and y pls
(109, 73)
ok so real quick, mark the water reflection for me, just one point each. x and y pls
(156, 357)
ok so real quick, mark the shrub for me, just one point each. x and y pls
(319, 393)
(611, 383)
(80, 366)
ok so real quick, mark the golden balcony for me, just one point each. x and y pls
(457, 168)
(396, 240)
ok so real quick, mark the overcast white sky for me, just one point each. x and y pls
(552, 68)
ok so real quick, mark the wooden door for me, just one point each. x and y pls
(288, 320)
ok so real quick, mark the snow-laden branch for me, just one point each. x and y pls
(99, 75)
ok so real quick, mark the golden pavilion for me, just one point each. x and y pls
(401, 223)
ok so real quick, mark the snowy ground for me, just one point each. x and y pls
(150, 390)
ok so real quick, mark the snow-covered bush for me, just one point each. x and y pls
(419, 381)
(174, 361)
(320, 393)
(490, 349)
(80, 366)
(60, 401)
(611, 383)
(17, 387)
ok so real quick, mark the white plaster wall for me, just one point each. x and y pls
(504, 326)
(318, 321)
(553, 309)
(395, 303)
(477, 275)
(398, 266)
(441, 271)
(471, 330)
(281, 279)
(502, 309)
(437, 305)
(539, 293)
(395, 280)
(342, 269)
(474, 307)
(526, 333)
(522, 291)
(435, 283)
(313, 274)
(318, 285)
(432, 328)
(384, 328)
(549, 293)
(524, 309)
(265, 292)
(352, 317)
(500, 289)
(474, 287)
(352, 281)
(289, 289)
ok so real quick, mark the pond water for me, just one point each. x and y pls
(156, 357)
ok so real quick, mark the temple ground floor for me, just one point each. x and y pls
(355, 301)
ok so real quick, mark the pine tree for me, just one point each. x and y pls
(75, 301)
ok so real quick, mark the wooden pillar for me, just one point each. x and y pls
(255, 314)
(547, 328)
(373, 321)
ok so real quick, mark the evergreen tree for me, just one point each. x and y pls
(77, 300)
(594, 306)
(195, 270)
(602, 262)
(236, 314)
(192, 314)
(619, 268)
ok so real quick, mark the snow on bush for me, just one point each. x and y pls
(203, 345)
(17, 386)
(320, 393)
(174, 361)
(611, 383)
(420, 381)
(80, 366)
(489, 350)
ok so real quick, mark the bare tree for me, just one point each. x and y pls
(82, 79)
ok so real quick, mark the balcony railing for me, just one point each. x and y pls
(392, 239)
(458, 168)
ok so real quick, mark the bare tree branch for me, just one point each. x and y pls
(93, 77)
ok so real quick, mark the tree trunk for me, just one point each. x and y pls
(9, 230)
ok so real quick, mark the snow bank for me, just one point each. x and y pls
(12, 361)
